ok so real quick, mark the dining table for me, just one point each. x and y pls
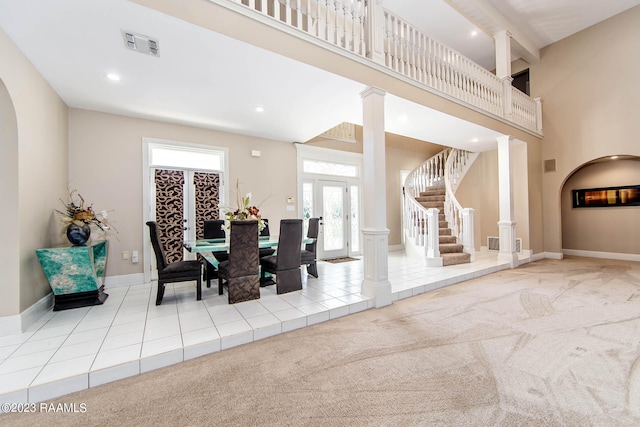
(206, 247)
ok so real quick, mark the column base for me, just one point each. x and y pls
(379, 292)
(376, 283)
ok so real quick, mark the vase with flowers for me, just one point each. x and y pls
(78, 218)
(244, 211)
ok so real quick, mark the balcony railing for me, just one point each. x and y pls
(364, 28)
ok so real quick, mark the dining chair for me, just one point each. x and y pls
(240, 272)
(178, 271)
(308, 254)
(213, 229)
(266, 233)
(285, 264)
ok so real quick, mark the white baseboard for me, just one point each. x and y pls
(606, 255)
(538, 256)
(554, 255)
(123, 280)
(17, 324)
(11, 325)
(396, 248)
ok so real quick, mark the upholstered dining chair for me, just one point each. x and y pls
(178, 271)
(285, 264)
(308, 254)
(213, 229)
(240, 272)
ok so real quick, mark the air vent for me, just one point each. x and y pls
(550, 165)
(140, 43)
(493, 244)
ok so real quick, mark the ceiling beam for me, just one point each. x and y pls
(483, 14)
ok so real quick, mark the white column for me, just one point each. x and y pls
(502, 41)
(432, 245)
(538, 102)
(375, 248)
(468, 236)
(506, 225)
(374, 30)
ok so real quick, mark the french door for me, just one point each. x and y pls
(332, 235)
(184, 199)
(339, 232)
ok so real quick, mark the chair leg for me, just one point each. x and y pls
(199, 289)
(160, 293)
(220, 292)
(312, 269)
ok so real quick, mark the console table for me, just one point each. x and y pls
(75, 274)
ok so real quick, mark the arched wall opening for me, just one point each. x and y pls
(605, 232)
(9, 253)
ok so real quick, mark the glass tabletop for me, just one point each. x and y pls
(219, 245)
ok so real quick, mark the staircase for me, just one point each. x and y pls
(450, 251)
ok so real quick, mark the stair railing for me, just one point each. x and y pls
(420, 224)
(460, 219)
(428, 174)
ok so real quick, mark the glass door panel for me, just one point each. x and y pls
(333, 231)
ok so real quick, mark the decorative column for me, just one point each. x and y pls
(506, 224)
(374, 31)
(503, 69)
(375, 234)
(432, 245)
(468, 237)
(538, 102)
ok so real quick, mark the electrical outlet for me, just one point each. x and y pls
(134, 257)
(125, 255)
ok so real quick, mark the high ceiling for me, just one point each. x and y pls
(208, 80)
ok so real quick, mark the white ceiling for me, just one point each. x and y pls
(208, 80)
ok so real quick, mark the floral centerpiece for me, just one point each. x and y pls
(244, 211)
(77, 219)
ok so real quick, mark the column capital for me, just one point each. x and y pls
(372, 90)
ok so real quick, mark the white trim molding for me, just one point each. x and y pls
(17, 324)
(605, 255)
(554, 255)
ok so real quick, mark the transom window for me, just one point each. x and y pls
(186, 158)
(329, 168)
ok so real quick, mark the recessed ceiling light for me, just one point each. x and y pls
(474, 33)
(475, 140)
(113, 76)
(259, 109)
(614, 157)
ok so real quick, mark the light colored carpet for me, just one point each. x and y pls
(550, 343)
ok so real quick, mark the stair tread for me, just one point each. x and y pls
(455, 258)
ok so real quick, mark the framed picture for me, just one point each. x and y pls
(628, 195)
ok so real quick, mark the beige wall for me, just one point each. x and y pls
(37, 175)
(603, 229)
(591, 103)
(402, 153)
(485, 203)
(105, 153)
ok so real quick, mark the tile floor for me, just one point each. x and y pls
(73, 350)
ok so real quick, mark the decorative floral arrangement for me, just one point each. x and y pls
(76, 213)
(244, 210)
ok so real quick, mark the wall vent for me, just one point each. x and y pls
(493, 244)
(550, 165)
(140, 43)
